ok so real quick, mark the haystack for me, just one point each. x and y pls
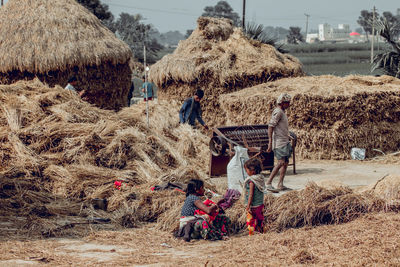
(59, 152)
(219, 58)
(329, 114)
(56, 39)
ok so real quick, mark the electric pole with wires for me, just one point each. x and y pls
(244, 14)
(373, 35)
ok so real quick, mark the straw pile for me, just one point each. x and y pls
(311, 206)
(59, 152)
(218, 58)
(388, 188)
(329, 114)
(58, 39)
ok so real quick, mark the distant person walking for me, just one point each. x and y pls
(191, 110)
(147, 89)
(72, 82)
(279, 142)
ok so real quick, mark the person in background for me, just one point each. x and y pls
(279, 141)
(191, 110)
(149, 87)
(130, 93)
(254, 196)
(72, 82)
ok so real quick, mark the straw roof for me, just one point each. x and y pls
(329, 114)
(39, 36)
(219, 55)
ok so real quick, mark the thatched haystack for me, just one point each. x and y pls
(219, 58)
(329, 114)
(59, 152)
(56, 39)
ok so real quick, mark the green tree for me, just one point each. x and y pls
(136, 34)
(100, 11)
(393, 22)
(188, 33)
(294, 36)
(257, 32)
(365, 21)
(222, 10)
(388, 61)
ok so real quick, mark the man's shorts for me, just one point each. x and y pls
(284, 152)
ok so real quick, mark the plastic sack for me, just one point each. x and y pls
(235, 169)
(357, 153)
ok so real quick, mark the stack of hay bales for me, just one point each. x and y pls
(56, 39)
(59, 152)
(329, 114)
(218, 58)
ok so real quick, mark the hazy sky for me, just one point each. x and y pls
(181, 15)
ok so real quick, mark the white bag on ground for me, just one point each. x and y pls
(235, 169)
(357, 153)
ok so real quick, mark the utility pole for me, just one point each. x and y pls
(244, 14)
(307, 16)
(373, 35)
(2, 2)
(145, 79)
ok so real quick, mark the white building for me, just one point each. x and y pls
(327, 33)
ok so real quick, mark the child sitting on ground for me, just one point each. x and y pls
(194, 225)
(254, 195)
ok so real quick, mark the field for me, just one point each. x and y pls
(335, 59)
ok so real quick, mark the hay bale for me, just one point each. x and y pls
(330, 115)
(80, 46)
(218, 58)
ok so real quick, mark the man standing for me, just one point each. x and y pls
(147, 89)
(279, 142)
(191, 110)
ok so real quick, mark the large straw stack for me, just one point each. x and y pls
(59, 152)
(329, 114)
(218, 58)
(56, 39)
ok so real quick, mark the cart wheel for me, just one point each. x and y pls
(218, 146)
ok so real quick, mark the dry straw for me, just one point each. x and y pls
(329, 114)
(58, 39)
(58, 149)
(219, 58)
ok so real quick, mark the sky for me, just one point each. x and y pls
(181, 15)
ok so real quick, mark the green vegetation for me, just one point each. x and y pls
(339, 59)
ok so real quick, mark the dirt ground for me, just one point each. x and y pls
(371, 240)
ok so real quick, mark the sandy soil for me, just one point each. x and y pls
(372, 240)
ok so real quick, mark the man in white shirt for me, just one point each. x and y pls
(72, 82)
(279, 142)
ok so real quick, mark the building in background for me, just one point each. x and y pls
(327, 33)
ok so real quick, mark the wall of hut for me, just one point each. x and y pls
(106, 85)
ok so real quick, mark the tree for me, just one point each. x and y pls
(393, 22)
(222, 10)
(294, 36)
(388, 61)
(131, 30)
(365, 21)
(100, 11)
(257, 32)
(188, 33)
